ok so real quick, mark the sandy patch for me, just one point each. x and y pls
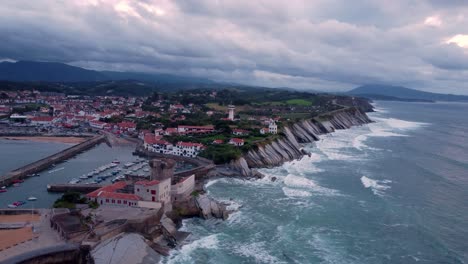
(12, 237)
(19, 218)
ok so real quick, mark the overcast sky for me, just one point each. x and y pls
(311, 44)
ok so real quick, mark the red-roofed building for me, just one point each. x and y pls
(110, 195)
(42, 120)
(240, 132)
(126, 126)
(170, 131)
(195, 129)
(97, 124)
(218, 141)
(188, 149)
(154, 191)
(236, 142)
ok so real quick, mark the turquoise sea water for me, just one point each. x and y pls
(395, 191)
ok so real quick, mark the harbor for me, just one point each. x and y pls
(42, 164)
(74, 167)
(84, 172)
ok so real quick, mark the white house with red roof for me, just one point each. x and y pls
(97, 124)
(239, 142)
(126, 126)
(188, 149)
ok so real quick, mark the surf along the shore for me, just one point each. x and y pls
(304, 210)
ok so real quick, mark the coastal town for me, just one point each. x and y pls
(182, 139)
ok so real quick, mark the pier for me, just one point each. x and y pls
(45, 163)
(81, 188)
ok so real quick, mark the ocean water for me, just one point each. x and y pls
(394, 191)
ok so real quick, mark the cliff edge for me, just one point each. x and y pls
(289, 146)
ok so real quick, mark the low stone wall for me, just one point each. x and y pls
(18, 211)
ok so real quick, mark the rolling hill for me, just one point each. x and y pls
(400, 93)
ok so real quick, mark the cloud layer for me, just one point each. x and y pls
(309, 44)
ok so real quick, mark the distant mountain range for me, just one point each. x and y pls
(399, 93)
(54, 76)
(31, 71)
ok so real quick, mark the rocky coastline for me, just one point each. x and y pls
(289, 146)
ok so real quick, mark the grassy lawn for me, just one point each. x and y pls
(300, 102)
(293, 116)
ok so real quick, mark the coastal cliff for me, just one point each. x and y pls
(288, 147)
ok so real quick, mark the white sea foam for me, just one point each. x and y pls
(290, 192)
(297, 186)
(377, 186)
(184, 253)
(211, 182)
(257, 252)
(295, 181)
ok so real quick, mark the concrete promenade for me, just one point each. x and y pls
(45, 163)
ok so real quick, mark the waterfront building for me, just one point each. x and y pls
(182, 190)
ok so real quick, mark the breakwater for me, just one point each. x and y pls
(65, 187)
(45, 163)
(288, 147)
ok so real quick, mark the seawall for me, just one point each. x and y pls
(44, 163)
(289, 146)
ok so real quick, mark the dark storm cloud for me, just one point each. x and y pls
(320, 44)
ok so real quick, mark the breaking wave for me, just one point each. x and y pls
(256, 251)
(297, 186)
(377, 187)
(183, 255)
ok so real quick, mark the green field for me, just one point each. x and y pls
(300, 102)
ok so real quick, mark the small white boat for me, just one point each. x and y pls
(83, 177)
(12, 206)
(32, 198)
(74, 181)
(116, 161)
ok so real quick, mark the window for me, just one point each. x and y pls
(125, 202)
(138, 189)
(107, 200)
(153, 192)
(119, 202)
(113, 201)
(147, 190)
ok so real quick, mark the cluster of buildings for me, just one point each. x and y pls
(160, 190)
(120, 115)
(157, 144)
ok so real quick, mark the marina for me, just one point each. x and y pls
(84, 172)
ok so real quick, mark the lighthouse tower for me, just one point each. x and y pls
(231, 109)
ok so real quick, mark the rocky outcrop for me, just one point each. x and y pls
(210, 208)
(288, 147)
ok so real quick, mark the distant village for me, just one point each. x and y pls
(160, 124)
